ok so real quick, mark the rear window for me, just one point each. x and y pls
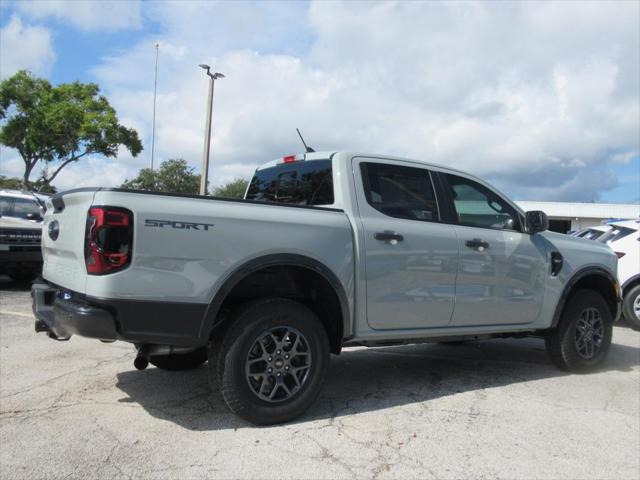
(299, 183)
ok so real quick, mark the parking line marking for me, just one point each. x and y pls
(18, 314)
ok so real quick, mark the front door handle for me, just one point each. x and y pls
(388, 237)
(478, 244)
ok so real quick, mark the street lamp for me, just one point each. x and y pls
(207, 131)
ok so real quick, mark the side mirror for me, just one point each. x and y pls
(34, 216)
(537, 221)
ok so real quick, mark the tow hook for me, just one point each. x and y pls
(142, 358)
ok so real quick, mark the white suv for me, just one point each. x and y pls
(20, 234)
(624, 240)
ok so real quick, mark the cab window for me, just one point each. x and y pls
(477, 206)
(400, 192)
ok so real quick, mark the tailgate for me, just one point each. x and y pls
(63, 255)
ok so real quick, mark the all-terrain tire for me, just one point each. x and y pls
(182, 361)
(566, 343)
(260, 323)
(627, 307)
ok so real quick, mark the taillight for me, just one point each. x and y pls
(108, 240)
(289, 159)
(620, 254)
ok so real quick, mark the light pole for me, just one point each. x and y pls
(204, 176)
(155, 90)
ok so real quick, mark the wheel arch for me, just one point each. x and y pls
(333, 292)
(592, 278)
(630, 283)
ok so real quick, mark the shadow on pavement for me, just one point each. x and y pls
(365, 380)
(8, 284)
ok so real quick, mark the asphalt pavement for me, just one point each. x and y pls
(494, 409)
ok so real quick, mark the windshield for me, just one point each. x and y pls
(299, 183)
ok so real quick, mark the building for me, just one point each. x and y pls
(566, 216)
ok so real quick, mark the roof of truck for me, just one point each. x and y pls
(325, 155)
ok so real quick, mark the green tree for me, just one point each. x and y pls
(173, 176)
(11, 183)
(59, 125)
(233, 189)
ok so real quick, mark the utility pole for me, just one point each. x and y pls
(204, 175)
(155, 91)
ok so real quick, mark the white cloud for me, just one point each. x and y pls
(25, 47)
(85, 14)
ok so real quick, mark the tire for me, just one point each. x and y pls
(178, 362)
(630, 299)
(585, 307)
(274, 334)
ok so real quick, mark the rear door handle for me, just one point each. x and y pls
(477, 244)
(388, 236)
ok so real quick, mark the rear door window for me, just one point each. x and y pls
(399, 191)
(299, 183)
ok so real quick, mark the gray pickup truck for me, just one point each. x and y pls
(327, 250)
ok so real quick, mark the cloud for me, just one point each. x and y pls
(86, 15)
(25, 47)
(540, 98)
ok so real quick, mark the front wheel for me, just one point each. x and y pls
(272, 361)
(631, 307)
(581, 340)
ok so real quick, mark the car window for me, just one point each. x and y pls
(400, 192)
(23, 207)
(477, 206)
(300, 183)
(5, 205)
(592, 234)
(616, 233)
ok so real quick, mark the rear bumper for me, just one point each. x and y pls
(63, 317)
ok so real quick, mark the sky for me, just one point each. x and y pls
(542, 99)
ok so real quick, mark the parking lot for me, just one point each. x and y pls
(497, 409)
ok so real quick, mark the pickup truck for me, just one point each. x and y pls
(326, 250)
(20, 234)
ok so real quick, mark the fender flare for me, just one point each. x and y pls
(579, 275)
(630, 281)
(273, 260)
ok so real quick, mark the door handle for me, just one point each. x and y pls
(478, 244)
(388, 237)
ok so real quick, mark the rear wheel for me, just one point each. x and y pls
(631, 307)
(183, 361)
(581, 340)
(271, 362)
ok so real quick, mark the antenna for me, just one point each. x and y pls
(307, 149)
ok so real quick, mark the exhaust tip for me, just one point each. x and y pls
(141, 362)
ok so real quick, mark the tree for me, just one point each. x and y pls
(173, 176)
(59, 125)
(233, 189)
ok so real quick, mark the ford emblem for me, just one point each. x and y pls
(54, 230)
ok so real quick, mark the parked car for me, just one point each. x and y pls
(624, 240)
(327, 250)
(20, 234)
(592, 233)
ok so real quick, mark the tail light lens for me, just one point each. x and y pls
(620, 254)
(108, 240)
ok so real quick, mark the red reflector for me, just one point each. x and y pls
(620, 254)
(289, 159)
